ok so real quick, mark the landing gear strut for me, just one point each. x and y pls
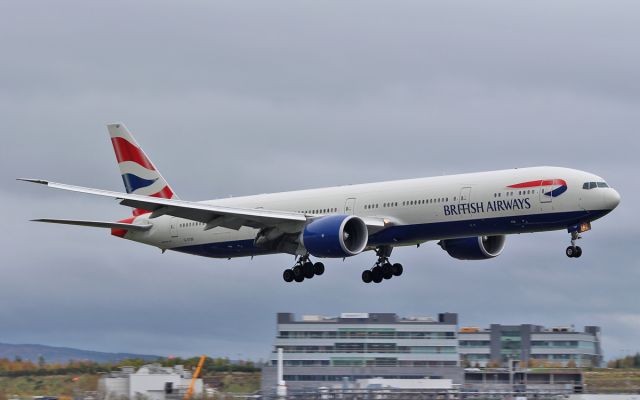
(382, 269)
(303, 269)
(574, 251)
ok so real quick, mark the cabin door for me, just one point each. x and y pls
(545, 194)
(350, 206)
(465, 195)
(173, 227)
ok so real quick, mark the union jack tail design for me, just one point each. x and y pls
(139, 174)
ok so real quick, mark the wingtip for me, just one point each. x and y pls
(40, 181)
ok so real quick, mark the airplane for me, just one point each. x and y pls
(469, 215)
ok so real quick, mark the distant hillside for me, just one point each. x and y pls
(51, 354)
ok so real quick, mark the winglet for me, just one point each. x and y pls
(40, 181)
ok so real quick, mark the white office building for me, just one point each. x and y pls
(561, 346)
(150, 382)
(323, 351)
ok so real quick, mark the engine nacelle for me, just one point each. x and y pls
(335, 236)
(474, 248)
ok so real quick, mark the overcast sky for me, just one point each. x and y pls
(234, 98)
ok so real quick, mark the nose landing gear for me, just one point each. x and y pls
(574, 251)
(303, 269)
(382, 269)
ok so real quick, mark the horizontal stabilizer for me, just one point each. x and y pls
(96, 224)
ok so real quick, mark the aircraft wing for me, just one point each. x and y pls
(95, 224)
(212, 215)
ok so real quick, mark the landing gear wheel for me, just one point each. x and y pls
(299, 278)
(387, 271)
(287, 275)
(307, 270)
(367, 276)
(297, 271)
(377, 274)
(574, 251)
(397, 269)
(318, 268)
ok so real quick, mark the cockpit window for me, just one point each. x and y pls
(593, 185)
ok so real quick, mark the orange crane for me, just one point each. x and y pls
(195, 376)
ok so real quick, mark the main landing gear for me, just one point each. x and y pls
(304, 269)
(382, 269)
(574, 251)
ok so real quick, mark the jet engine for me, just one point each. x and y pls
(474, 248)
(335, 236)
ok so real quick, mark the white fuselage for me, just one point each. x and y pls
(415, 210)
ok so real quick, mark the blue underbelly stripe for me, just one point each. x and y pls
(400, 234)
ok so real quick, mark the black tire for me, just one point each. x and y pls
(578, 251)
(570, 252)
(318, 268)
(377, 274)
(397, 269)
(297, 271)
(299, 278)
(287, 275)
(367, 276)
(307, 270)
(387, 271)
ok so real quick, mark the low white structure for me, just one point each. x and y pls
(383, 383)
(150, 382)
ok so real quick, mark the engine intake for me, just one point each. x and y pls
(335, 236)
(474, 248)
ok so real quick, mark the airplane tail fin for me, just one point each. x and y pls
(139, 174)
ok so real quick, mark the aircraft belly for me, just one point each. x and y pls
(412, 233)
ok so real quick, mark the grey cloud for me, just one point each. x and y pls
(234, 98)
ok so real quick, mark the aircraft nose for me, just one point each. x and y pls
(611, 199)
